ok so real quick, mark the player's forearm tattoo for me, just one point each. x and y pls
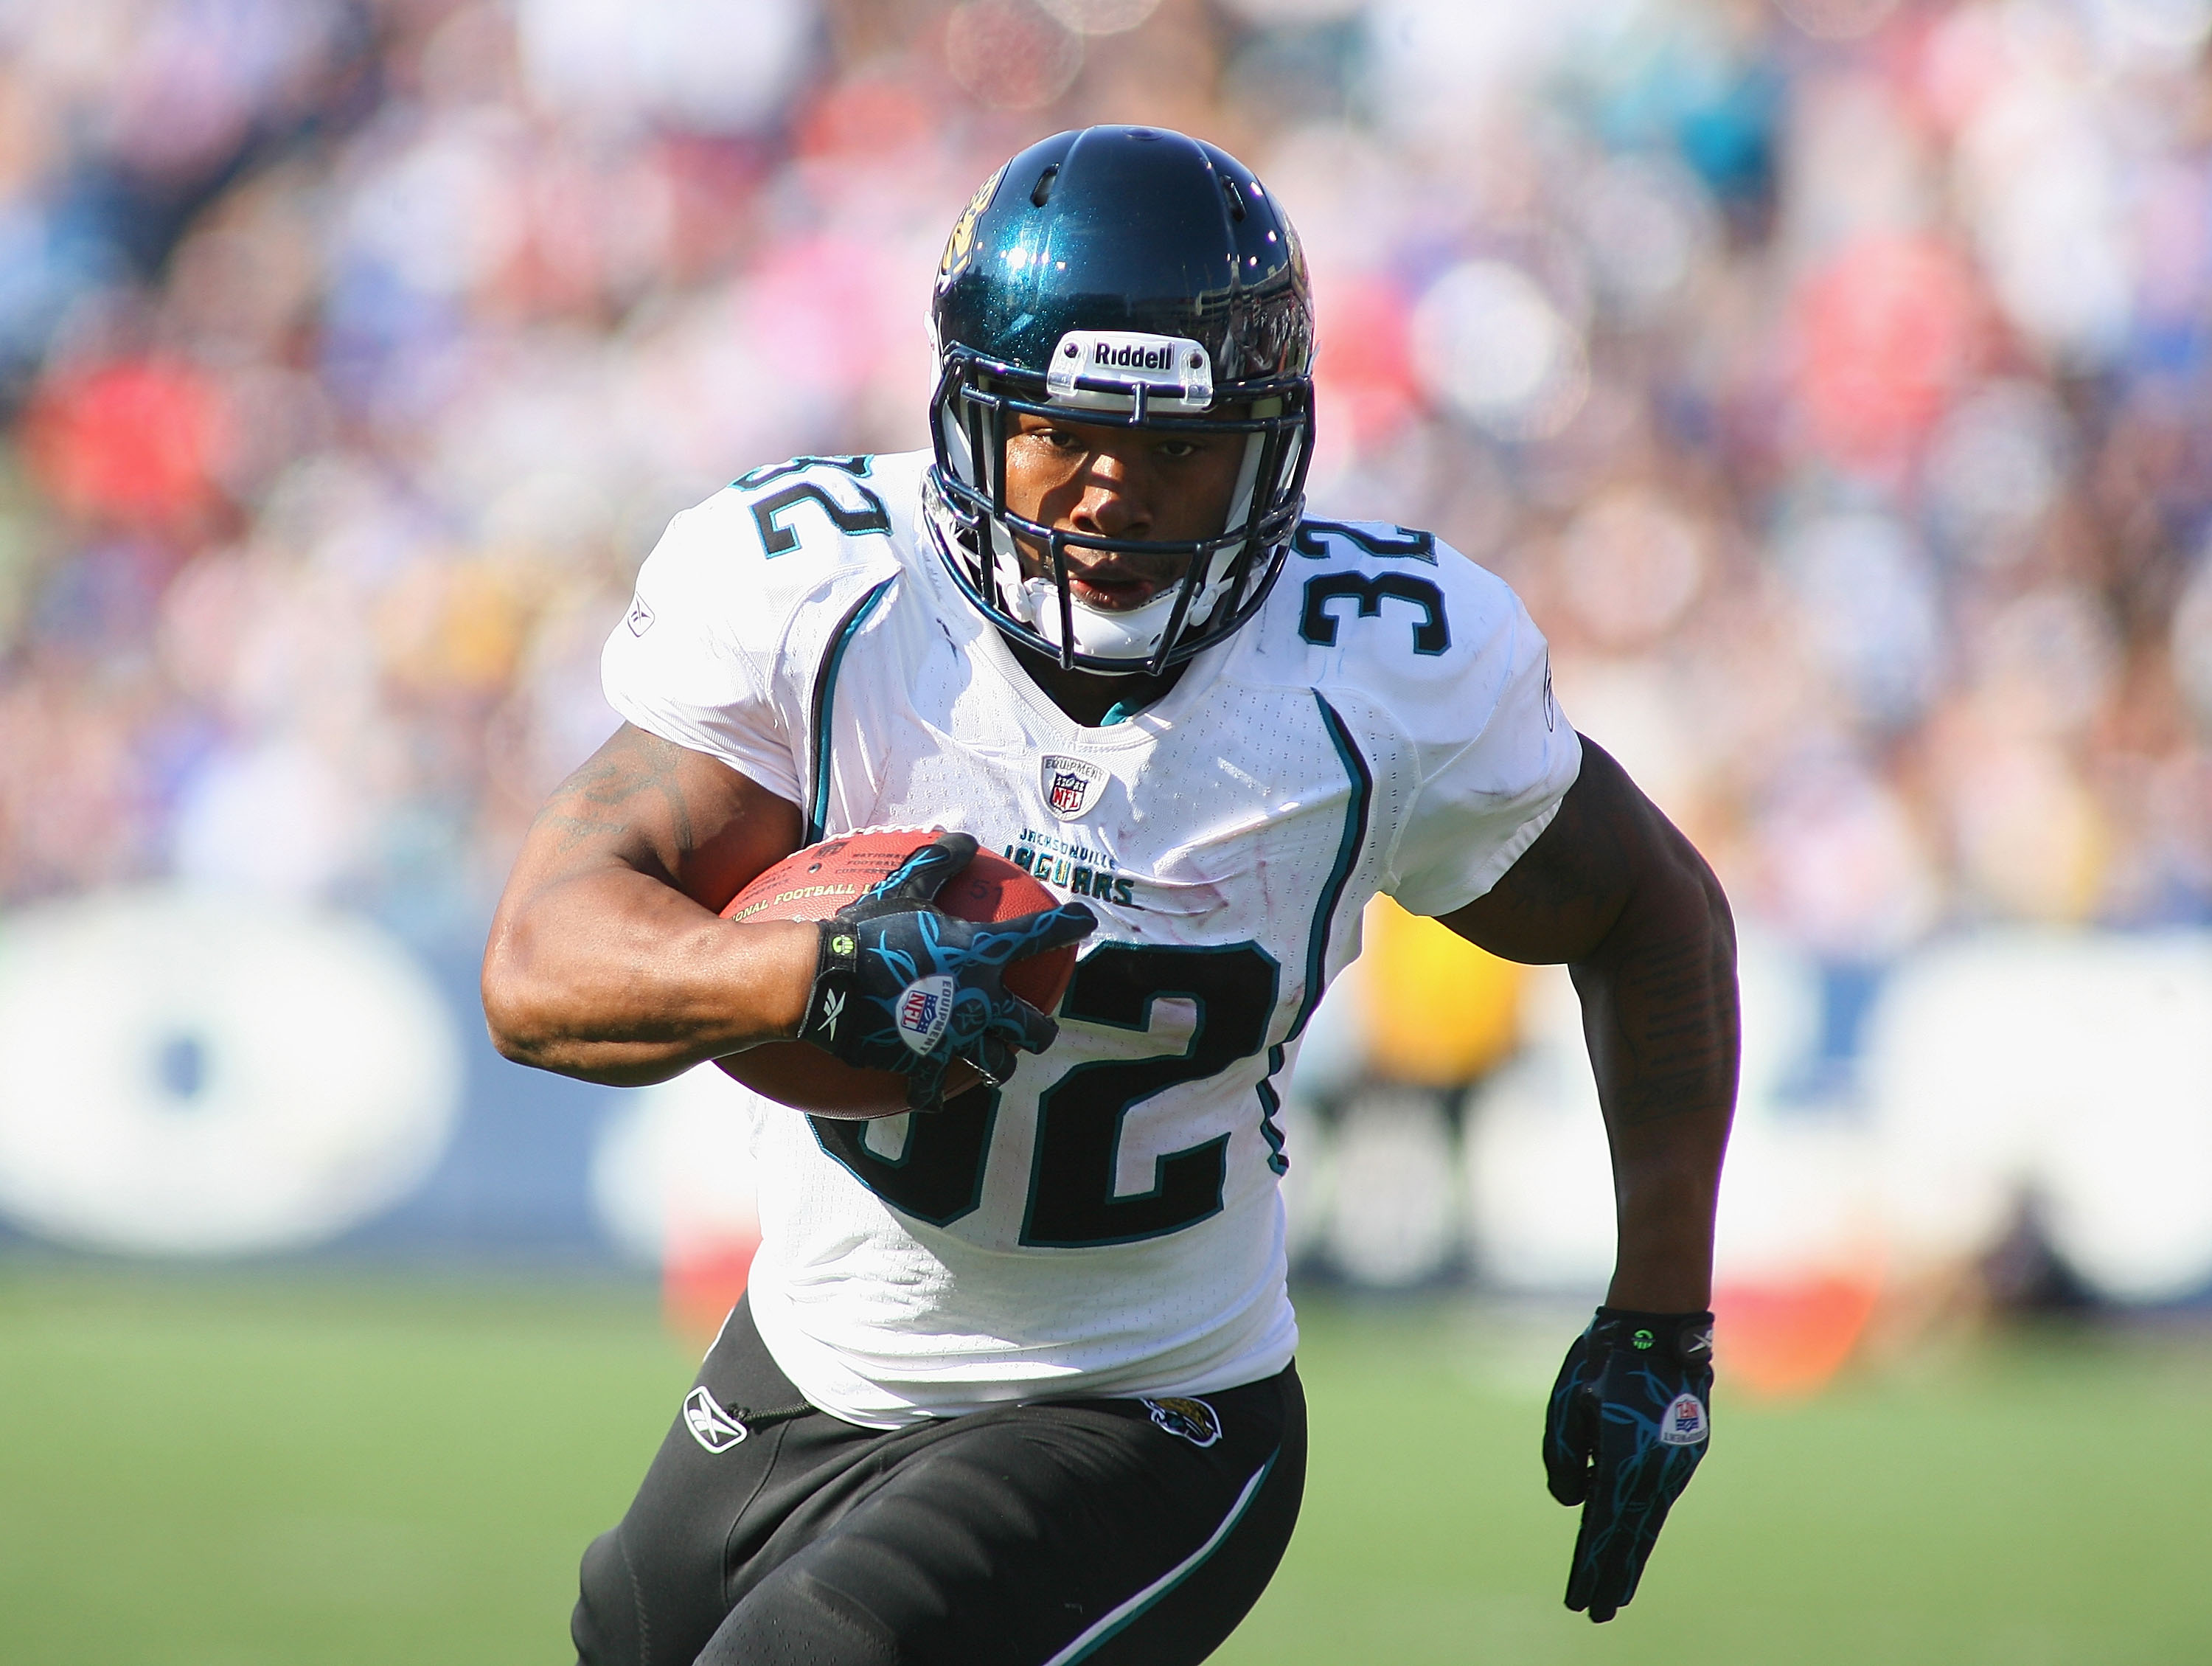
(594, 802)
(1670, 1026)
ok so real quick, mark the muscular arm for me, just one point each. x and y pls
(608, 959)
(1612, 890)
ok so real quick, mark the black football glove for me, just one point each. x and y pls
(1629, 1420)
(899, 984)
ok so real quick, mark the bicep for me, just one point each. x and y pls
(1559, 902)
(676, 815)
(604, 959)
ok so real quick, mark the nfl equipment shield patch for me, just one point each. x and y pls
(1069, 784)
(1684, 1422)
(925, 1007)
(1194, 1420)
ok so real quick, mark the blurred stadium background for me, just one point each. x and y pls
(1832, 377)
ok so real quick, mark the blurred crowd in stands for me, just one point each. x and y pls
(1832, 377)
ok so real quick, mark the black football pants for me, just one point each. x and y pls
(1111, 1532)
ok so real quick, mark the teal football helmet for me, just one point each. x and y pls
(1120, 275)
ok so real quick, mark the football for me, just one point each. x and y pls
(813, 884)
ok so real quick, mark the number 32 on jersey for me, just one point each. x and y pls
(1073, 1203)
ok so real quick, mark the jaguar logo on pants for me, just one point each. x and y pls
(1193, 1419)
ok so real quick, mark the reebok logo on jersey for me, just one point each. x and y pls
(1683, 1423)
(639, 618)
(833, 1008)
(710, 1425)
(924, 1009)
(1193, 1420)
(1069, 784)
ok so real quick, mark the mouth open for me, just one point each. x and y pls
(1114, 591)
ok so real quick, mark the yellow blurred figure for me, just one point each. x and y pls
(1438, 1012)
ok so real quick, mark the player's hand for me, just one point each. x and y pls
(1629, 1420)
(899, 984)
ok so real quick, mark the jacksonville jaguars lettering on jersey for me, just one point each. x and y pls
(1109, 1221)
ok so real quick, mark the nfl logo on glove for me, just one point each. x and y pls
(1683, 1423)
(924, 1009)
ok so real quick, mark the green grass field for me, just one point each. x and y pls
(226, 1472)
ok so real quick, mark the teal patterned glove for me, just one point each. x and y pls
(1629, 1420)
(901, 985)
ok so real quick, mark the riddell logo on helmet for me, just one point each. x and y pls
(1106, 366)
(1133, 356)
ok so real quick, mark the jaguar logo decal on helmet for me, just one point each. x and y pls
(961, 243)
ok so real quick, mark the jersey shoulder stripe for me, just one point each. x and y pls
(822, 706)
(1361, 782)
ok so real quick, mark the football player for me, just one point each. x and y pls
(1013, 1380)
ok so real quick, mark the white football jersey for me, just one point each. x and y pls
(1109, 1222)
